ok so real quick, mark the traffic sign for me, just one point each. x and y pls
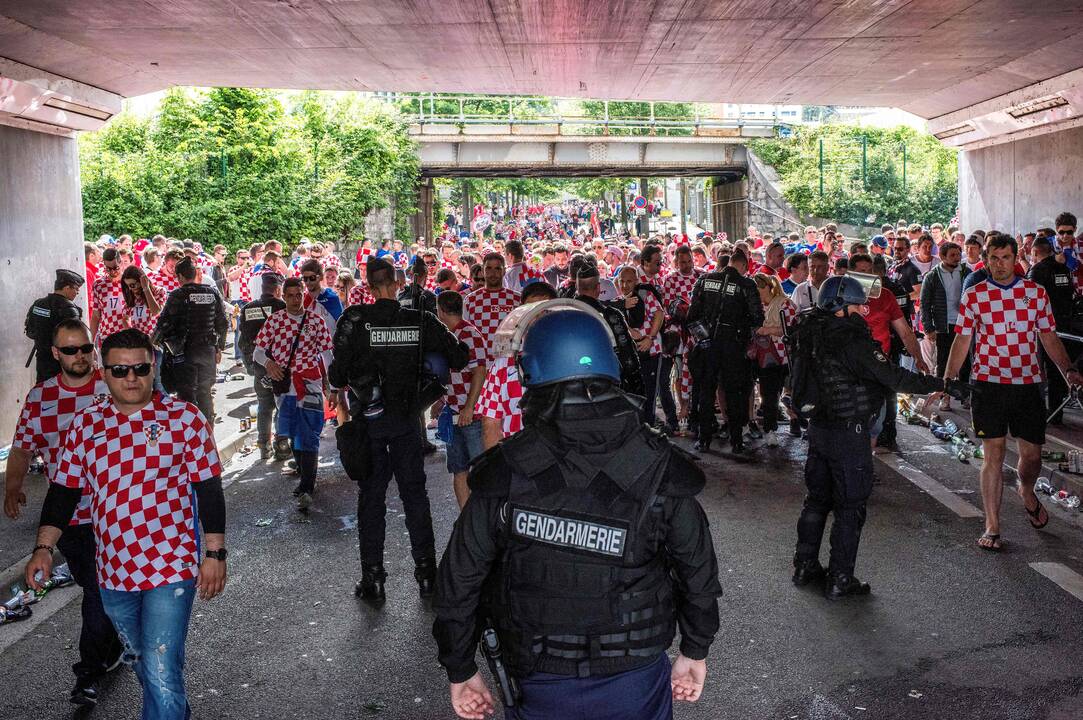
(640, 201)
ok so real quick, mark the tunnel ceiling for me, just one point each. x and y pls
(926, 56)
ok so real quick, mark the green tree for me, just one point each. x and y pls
(639, 114)
(869, 175)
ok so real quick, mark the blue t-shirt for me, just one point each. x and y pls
(788, 286)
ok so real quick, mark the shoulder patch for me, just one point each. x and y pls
(490, 475)
(684, 477)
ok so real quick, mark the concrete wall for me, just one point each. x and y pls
(41, 229)
(1021, 185)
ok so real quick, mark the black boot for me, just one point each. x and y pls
(425, 574)
(807, 571)
(703, 444)
(842, 586)
(85, 692)
(371, 585)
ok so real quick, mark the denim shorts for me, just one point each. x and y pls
(464, 447)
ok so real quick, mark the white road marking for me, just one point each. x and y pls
(1069, 580)
(44, 609)
(945, 496)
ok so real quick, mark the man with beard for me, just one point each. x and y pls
(48, 411)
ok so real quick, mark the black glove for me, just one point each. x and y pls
(957, 389)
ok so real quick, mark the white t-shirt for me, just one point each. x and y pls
(805, 295)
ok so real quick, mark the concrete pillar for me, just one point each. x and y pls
(1018, 186)
(423, 222)
(41, 229)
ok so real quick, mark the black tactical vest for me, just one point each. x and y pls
(583, 588)
(253, 316)
(844, 396)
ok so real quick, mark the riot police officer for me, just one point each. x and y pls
(415, 295)
(848, 375)
(587, 290)
(583, 555)
(48, 312)
(378, 351)
(724, 313)
(192, 331)
(252, 317)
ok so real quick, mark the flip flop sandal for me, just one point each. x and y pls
(994, 542)
(1035, 516)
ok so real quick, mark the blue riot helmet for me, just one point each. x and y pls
(567, 344)
(839, 291)
(436, 365)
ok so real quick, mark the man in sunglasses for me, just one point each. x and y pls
(47, 412)
(320, 300)
(45, 314)
(151, 559)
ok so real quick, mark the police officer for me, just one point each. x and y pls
(725, 311)
(415, 295)
(587, 290)
(584, 556)
(253, 316)
(48, 312)
(850, 375)
(378, 353)
(192, 328)
(1056, 278)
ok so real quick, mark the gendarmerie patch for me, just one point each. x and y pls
(202, 298)
(588, 535)
(712, 285)
(257, 313)
(394, 336)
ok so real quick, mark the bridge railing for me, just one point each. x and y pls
(572, 116)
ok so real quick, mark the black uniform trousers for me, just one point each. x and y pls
(1056, 388)
(195, 377)
(265, 412)
(838, 475)
(395, 445)
(725, 364)
(99, 646)
(648, 369)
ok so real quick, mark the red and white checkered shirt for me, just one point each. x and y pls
(518, 275)
(47, 413)
(167, 281)
(139, 469)
(277, 334)
(500, 395)
(244, 283)
(459, 387)
(138, 316)
(331, 261)
(109, 301)
(485, 309)
(1005, 322)
(650, 307)
(360, 295)
(789, 312)
(677, 286)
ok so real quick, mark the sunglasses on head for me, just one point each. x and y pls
(75, 349)
(121, 371)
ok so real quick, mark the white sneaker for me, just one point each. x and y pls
(304, 502)
(772, 440)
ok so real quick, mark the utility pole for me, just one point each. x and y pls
(684, 205)
(644, 229)
(468, 206)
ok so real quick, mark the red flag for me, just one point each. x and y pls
(594, 224)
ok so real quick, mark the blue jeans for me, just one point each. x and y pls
(153, 625)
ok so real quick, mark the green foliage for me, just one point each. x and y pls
(640, 112)
(450, 106)
(236, 166)
(871, 196)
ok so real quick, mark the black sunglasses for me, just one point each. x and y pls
(121, 371)
(310, 278)
(74, 349)
(1065, 232)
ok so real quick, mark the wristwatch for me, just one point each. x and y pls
(217, 554)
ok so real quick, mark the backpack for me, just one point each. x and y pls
(803, 340)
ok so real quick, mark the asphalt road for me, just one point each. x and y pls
(949, 632)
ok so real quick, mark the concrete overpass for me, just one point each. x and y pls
(999, 78)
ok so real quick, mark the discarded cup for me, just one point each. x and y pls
(1044, 486)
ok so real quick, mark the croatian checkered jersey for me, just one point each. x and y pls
(277, 334)
(138, 316)
(485, 309)
(47, 413)
(519, 275)
(109, 301)
(459, 387)
(1005, 322)
(499, 399)
(139, 470)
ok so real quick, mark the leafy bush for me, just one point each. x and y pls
(931, 175)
